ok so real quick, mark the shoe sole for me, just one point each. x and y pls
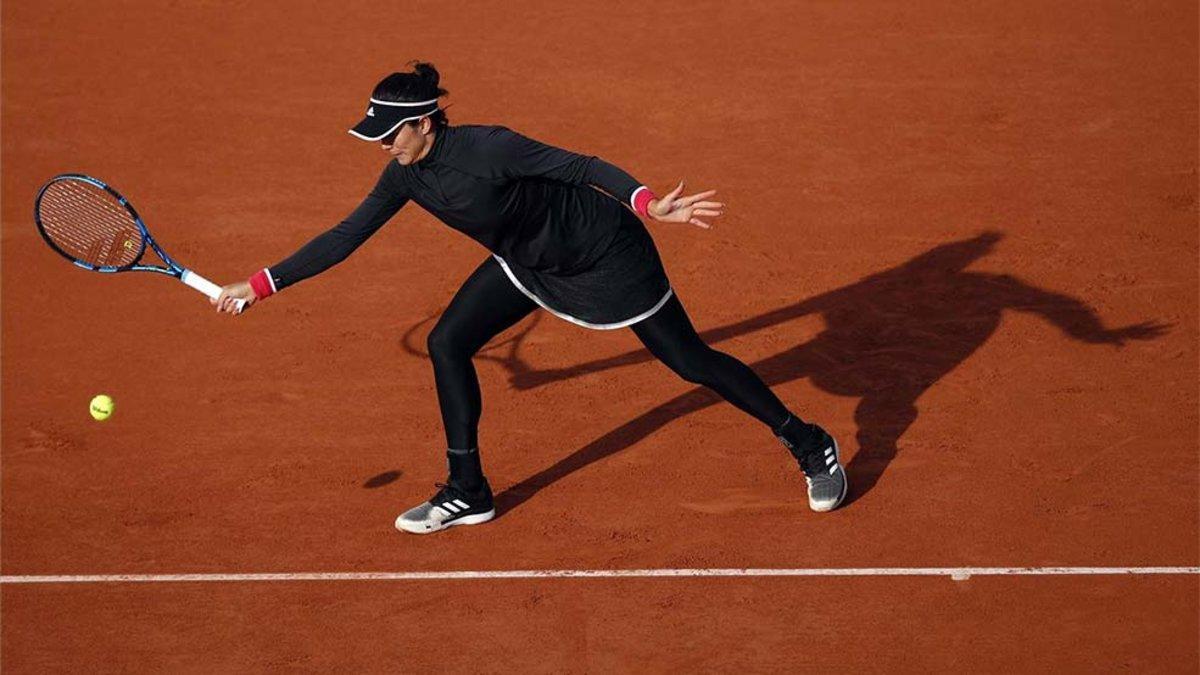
(421, 528)
(837, 459)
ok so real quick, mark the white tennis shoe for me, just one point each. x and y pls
(449, 507)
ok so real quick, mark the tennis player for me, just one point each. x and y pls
(564, 234)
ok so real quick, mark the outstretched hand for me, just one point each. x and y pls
(672, 208)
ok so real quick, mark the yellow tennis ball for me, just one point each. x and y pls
(101, 407)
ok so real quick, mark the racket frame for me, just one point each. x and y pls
(173, 268)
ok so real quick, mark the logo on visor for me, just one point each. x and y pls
(371, 111)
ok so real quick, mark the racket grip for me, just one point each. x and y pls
(206, 287)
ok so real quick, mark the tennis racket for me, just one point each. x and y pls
(93, 226)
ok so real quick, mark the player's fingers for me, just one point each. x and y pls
(700, 223)
(709, 205)
(674, 193)
(692, 199)
(705, 212)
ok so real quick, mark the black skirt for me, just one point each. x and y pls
(626, 283)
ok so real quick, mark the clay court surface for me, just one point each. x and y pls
(962, 236)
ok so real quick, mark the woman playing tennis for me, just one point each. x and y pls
(564, 235)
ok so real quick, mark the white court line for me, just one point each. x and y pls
(957, 573)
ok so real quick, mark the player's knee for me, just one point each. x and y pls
(692, 370)
(443, 343)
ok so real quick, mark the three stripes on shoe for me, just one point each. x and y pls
(449, 509)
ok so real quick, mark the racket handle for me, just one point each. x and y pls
(206, 287)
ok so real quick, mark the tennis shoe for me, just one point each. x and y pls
(451, 506)
(823, 472)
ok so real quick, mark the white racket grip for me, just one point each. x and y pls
(206, 287)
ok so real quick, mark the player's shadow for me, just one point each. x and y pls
(887, 339)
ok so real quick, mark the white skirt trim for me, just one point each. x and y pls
(580, 322)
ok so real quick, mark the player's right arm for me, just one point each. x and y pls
(326, 249)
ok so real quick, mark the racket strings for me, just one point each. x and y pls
(90, 229)
(92, 223)
(89, 224)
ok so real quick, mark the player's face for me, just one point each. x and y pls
(409, 142)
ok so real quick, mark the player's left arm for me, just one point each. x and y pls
(521, 156)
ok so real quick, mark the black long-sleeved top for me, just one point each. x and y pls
(530, 203)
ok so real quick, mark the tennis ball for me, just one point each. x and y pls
(101, 407)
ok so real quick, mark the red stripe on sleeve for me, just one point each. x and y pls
(261, 283)
(641, 201)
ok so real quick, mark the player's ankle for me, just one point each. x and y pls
(466, 471)
(796, 434)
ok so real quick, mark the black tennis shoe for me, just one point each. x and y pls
(818, 456)
(449, 507)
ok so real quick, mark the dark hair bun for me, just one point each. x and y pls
(429, 77)
(426, 72)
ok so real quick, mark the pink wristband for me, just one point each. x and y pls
(641, 200)
(262, 284)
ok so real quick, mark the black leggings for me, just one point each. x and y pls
(489, 302)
